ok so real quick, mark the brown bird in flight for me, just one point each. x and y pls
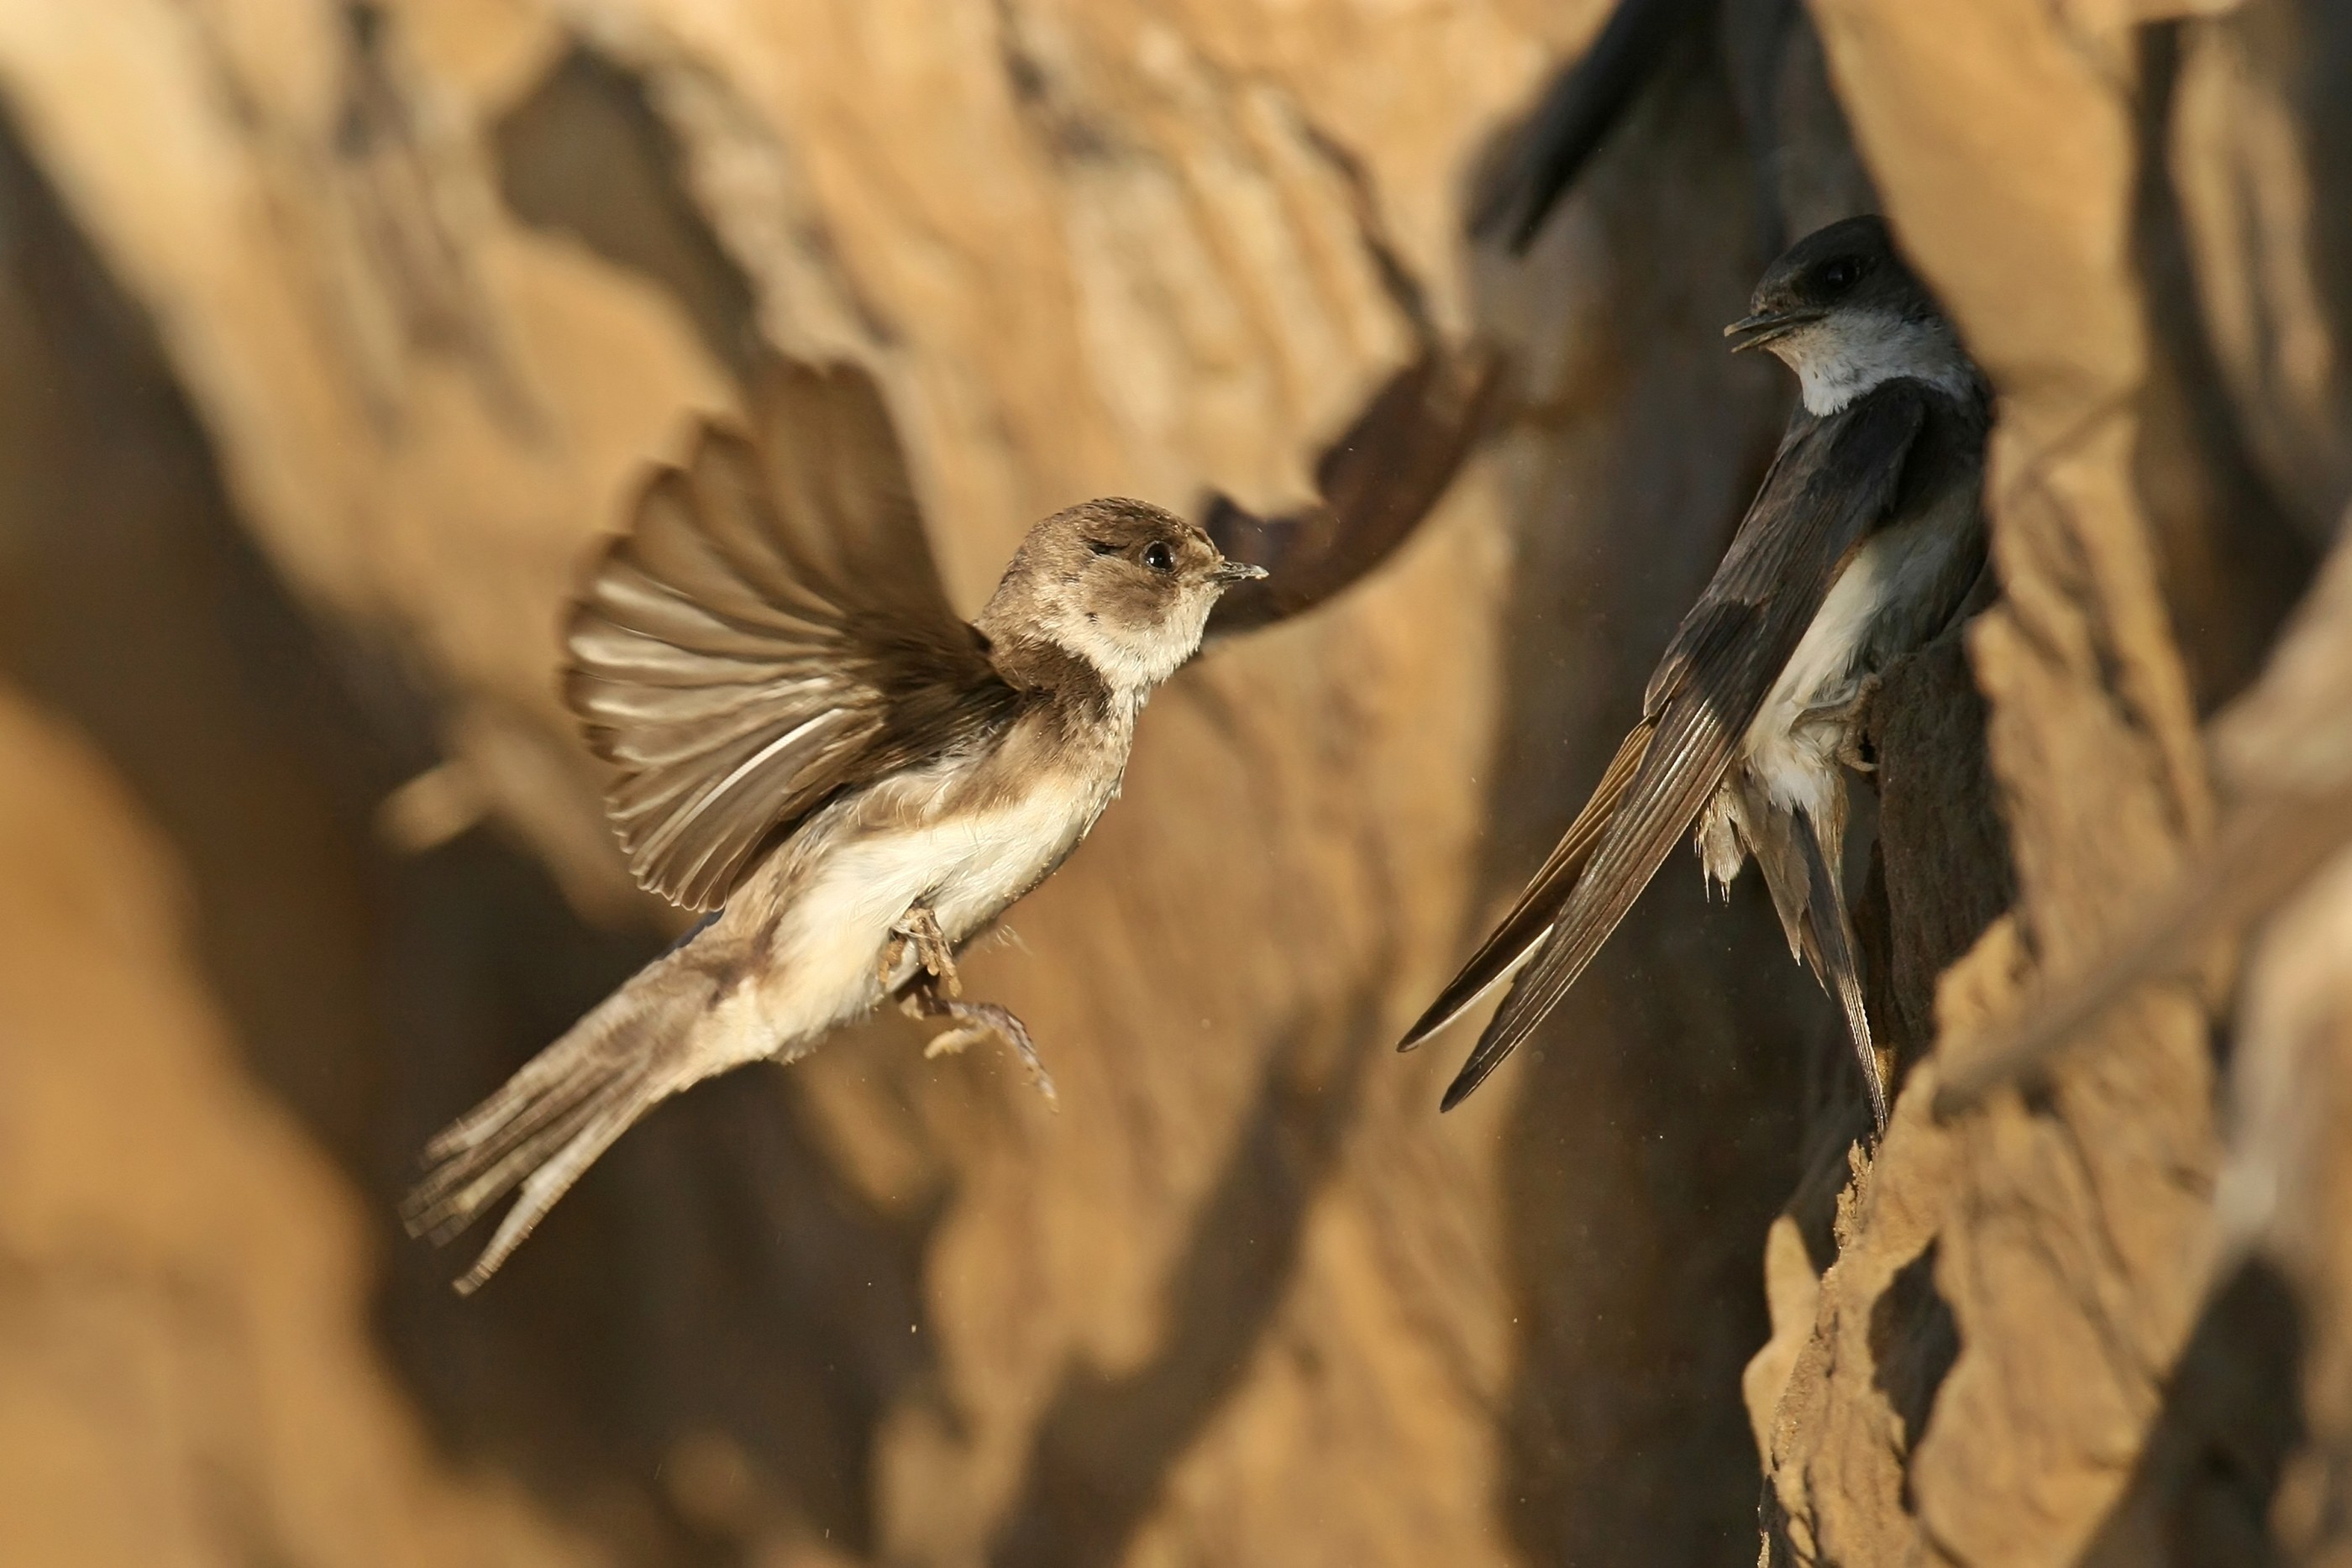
(849, 778)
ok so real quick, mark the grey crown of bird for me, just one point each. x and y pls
(1864, 540)
(814, 747)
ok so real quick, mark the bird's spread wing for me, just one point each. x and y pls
(1374, 486)
(1833, 480)
(770, 629)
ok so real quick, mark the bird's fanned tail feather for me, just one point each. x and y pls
(549, 1122)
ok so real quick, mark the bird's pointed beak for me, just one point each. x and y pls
(1225, 573)
(1767, 326)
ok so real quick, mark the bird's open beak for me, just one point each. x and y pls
(1228, 572)
(1767, 326)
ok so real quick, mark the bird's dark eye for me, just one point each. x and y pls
(1838, 273)
(1158, 557)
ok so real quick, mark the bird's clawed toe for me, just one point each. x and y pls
(932, 949)
(974, 1022)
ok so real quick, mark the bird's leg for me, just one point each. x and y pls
(922, 927)
(975, 1021)
(1847, 716)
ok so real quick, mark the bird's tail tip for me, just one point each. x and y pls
(535, 1136)
(536, 1145)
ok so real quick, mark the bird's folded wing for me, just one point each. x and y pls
(1530, 919)
(770, 629)
(1833, 480)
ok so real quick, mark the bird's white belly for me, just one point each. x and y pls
(967, 867)
(1788, 749)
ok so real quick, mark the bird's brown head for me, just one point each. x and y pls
(1121, 584)
(1842, 310)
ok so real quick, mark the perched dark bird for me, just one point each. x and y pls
(1866, 536)
(815, 749)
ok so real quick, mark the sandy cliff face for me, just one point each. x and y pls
(186, 1354)
(331, 335)
(342, 332)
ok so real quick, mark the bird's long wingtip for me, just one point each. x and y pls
(1476, 978)
(1474, 1073)
(1451, 1004)
(1501, 1037)
(1429, 1022)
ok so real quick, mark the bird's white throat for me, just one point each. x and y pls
(1847, 353)
(1131, 660)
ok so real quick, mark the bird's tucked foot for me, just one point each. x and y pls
(1847, 716)
(973, 1022)
(919, 926)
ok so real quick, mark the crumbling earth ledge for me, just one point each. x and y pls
(1998, 1367)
